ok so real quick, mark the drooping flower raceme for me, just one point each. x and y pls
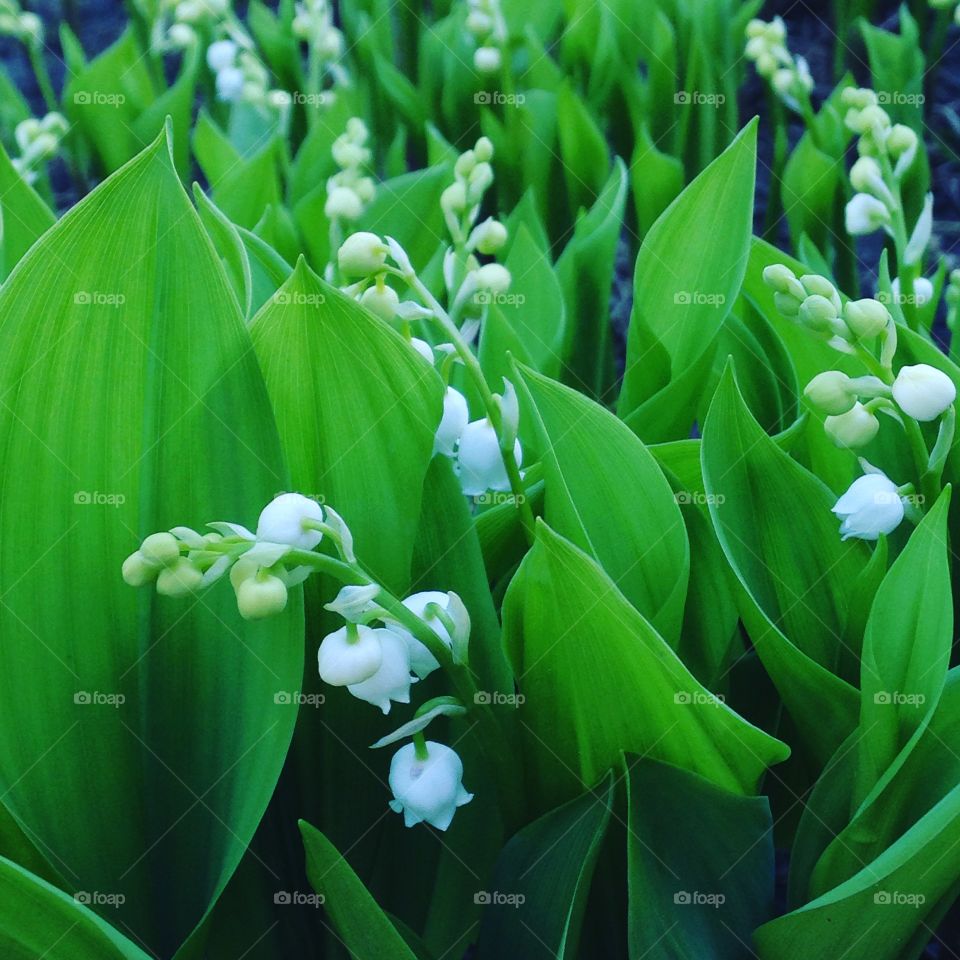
(428, 788)
(871, 506)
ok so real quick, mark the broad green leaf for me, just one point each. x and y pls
(699, 864)
(683, 299)
(357, 410)
(796, 595)
(161, 419)
(583, 150)
(599, 680)
(23, 216)
(906, 647)
(597, 472)
(38, 920)
(541, 881)
(248, 186)
(226, 238)
(656, 178)
(364, 929)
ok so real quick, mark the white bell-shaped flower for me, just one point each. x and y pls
(865, 214)
(350, 655)
(479, 460)
(281, 521)
(428, 790)
(391, 681)
(454, 421)
(923, 392)
(922, 291)
(422, 661)
(871, 506)
(221, 54)
(230, 84)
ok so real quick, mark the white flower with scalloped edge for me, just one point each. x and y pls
(428, 790)
(392, 680)
(480, 462)
(871, 506)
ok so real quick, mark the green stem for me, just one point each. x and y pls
(475, 371)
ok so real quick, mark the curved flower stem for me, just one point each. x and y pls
(493, 739)
(901, 237)
(486, 395)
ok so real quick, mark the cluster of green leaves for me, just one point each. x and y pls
(691, 668)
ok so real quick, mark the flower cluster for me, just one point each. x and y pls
(38, 141)
(350, 189)
(486, 25)
(240, 74)
(179, 23)
(20, 24)
(313, 24)
(917, 393)
(377, 664)
(789, 76)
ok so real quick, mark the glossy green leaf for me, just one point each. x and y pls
(761, 502)
(23, 216)
(683, 300)
(364, 929)
(161, 419)
(699, 864)
(597, 471)
(541, 881)
(599, 680)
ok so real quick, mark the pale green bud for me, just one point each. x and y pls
(831, 392)
(489, 236)
(493, 277)
(261, 596)
(780, 277)
(454, 198)
(786, 304)
(864, 174)
(362, 254)
(901, 140)
(813, 283)
(481, 176)
(866, 318)
(179, 579)
(161, 549)
(382, 301)
(137, 571)
(818, 314)
(465, 163)
(483, 150)
(855, 428)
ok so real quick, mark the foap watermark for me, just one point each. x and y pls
(698, 898)
(699, 498)
(97, 898)
(496, 698)
(281, 98)
(288, 697)
(99, 298)
(898, 898)
(497, 98)
(699, 298)
(297, 898)
(97, 498)
(494, 498)
(487, 297)
(899, 98)
(497, 898)
(97, 698)
(698, 698)
(697, 98)
(299, 299)
(897, 698)
(98, 98)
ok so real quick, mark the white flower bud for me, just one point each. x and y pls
(488, 237)
(831, 392)
(922, 290)
(818, 313)
(221, 55)
(454, 198)
(479, 460)
(428, 790)
(31, 26)
(479, 23)
(160, 549)
(865, 214)
(464, 164)
(493, 277)
(179, 579)
(391, 681)
(481, 177)
(423, 348)
(349, 655)
(347, 154)
(382, 301)
(344, 203)
(923, 392)
(901, 141)
(137, 570)
(182, 36)
(855, 428)
(781, 279)
(866, 318)
(871, 506)
(865, 174)
(261, 596)
(454, 421)
(230, 84)
(281, 521)
(362, 254)
(487, 59)
(354, 602)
